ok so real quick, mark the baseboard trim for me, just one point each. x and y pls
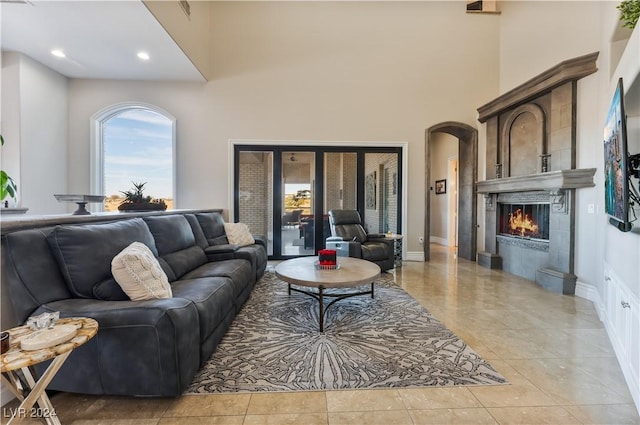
(439, 241)
(586, 291)
(414, 256)
(589, 292)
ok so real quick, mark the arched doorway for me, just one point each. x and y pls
(468, 171)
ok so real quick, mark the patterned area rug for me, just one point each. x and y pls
(388, 341)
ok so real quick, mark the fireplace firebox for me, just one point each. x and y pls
(530, 221)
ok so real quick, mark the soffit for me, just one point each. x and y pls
(100, 38)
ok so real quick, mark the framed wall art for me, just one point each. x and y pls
(441, 186)
(370, 191)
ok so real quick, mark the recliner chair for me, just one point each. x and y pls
(373, 247)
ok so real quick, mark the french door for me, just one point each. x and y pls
(285, 193)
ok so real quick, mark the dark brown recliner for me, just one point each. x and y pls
(374, 247)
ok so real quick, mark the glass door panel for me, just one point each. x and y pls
(298, 179)
(340, 185)
(256, 193)
(381, 192)
(281, 191)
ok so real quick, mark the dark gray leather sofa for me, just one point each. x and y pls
(143, 348)
(215, 244)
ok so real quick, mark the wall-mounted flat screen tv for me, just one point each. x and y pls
(616, 172)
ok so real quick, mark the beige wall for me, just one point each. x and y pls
(35, 103)
(329, 71)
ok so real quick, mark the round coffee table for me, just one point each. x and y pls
(352, 272)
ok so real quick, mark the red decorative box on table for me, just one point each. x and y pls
(327, 257)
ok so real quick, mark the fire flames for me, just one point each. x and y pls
(522, 224)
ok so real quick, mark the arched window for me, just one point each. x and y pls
(133, 143)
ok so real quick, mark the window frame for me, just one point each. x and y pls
(96, 166)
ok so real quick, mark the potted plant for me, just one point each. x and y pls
(8, 187)
(135, 200)
(629, 13)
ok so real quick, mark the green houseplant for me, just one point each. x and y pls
(135, 200)
(8, 187)
(629, 13)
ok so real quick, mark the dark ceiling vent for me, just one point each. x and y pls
(474, 5)
(482, 6)
(184, 4)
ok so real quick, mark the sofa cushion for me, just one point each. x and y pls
(139, 274)
(84, 252)
(239, 271)
(213, 227)
(213, 298)
(238, 234)
(176, 243)
(109, 290)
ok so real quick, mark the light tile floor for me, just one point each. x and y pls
(552, 348)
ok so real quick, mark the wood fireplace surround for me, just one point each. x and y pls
(531, 160)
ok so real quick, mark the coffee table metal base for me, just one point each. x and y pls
(321, 295)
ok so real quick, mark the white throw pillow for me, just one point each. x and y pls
(238, 234)
(139, 274)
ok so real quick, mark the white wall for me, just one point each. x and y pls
(10, 157)
(443, 147)
(43, 137)
(35, 117)
(330, 71)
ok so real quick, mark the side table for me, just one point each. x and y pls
(25, 387)
(397, 244)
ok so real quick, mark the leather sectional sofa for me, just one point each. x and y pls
(143, 348)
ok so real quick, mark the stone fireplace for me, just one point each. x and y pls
(532, 177)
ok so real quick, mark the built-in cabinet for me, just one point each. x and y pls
(621, 319)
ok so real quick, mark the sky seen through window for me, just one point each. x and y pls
(138, 148)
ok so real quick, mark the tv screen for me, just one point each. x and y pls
(616, 181)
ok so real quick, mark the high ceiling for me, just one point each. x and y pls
(101, 39)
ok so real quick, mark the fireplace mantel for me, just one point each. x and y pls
(569, 70)
(553, 180)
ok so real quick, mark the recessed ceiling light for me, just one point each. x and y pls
(58, 53)
(143, 56)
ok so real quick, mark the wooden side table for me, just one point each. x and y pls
(26, 388)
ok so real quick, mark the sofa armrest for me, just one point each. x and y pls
(260, 240)
(222, 249)
(221, 252)
(142, 347)
(376, 235)
(355, 249)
